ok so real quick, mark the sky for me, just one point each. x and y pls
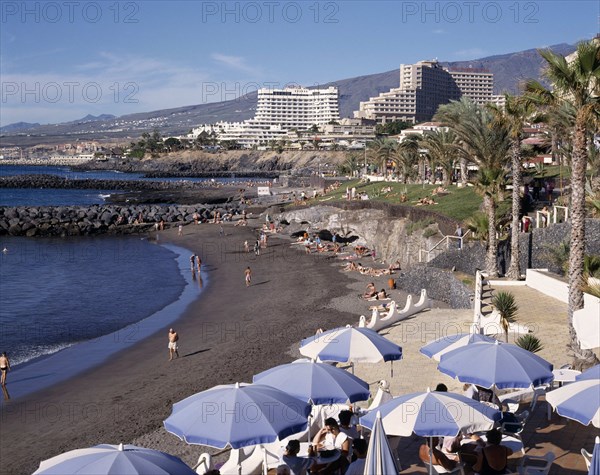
(61, 60)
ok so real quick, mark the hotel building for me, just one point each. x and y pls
(279, 112)
(425, 86)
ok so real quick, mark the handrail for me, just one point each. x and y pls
(445, 239)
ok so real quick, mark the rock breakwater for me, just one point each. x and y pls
(102, 219)
(52, 181)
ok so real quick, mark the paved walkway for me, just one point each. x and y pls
(546, 316)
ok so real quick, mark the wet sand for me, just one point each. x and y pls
(227, 335)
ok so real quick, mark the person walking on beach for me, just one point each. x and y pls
(4, 367)
(173, 339)
(248, 273)
(199, 263)
(180, 230)
(193, 262)
(246, 246)
(257, 247)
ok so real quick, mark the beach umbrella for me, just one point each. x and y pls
(592, 373)
(432, 414)
(579, 401)
(113, 460)
(350, 345)
(595, 463)
(441, 346)
(316, 383)
(496, 365)
(380, 458)
(237, 415)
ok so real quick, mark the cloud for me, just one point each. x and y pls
(235, 62)
(107, 83)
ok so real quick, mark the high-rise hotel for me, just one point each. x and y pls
(278, 112)
(424, 86)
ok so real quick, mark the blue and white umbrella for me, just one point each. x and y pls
(592, 373)
(432, 414)
(595, 463)
(237, 416)
(114, 460)
(441, 346)
(380, 458)
(496, 365)
(349, 344)
(579, 401)
(316, 383)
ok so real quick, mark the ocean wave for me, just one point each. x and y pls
(36, 352)
(104, 196)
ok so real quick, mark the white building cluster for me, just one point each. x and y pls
(290, 115)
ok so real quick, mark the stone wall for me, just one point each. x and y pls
(441, 284)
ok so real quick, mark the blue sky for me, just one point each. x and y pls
(62, 60)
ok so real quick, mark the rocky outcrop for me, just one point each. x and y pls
(393, 235)
(100, 219)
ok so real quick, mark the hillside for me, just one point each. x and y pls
(509, 70)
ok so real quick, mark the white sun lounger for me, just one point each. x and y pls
(394, 316)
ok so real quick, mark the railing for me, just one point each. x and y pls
(439, 247)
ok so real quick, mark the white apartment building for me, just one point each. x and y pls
(424, 86)
(297, 108)
(279, 113)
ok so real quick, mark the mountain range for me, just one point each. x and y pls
(509, 70)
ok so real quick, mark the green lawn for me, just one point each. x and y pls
(459, 203)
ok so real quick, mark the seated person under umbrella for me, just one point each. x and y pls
(329, 438)
(437, 457)
(492, 459)
(297, 465)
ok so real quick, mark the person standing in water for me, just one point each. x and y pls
(4, 367)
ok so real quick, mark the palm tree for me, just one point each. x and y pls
(405, 155)
(442, 150)
(381, 151)
(487, 145)
(578, 83)
(513, 116)
(530, 343)
(505, 303)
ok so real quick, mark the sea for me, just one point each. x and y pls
(67, 304)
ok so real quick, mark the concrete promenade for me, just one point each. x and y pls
(547, 317)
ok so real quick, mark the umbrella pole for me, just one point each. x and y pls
(265, 468)
(430, 455)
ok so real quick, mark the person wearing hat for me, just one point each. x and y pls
(298, 465)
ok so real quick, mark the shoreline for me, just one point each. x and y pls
(33, 376)
(228, 335)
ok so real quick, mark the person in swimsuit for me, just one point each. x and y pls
(173, 339)
(493, 458)
(4, 367)
(248, 273)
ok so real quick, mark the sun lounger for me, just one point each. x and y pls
(378, 322)
(204, 464)
(236, 463)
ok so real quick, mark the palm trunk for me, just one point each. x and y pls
(577, 245)
(514, 269)
(463, 171)
(491, 261)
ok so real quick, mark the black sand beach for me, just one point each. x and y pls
(229, 334)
